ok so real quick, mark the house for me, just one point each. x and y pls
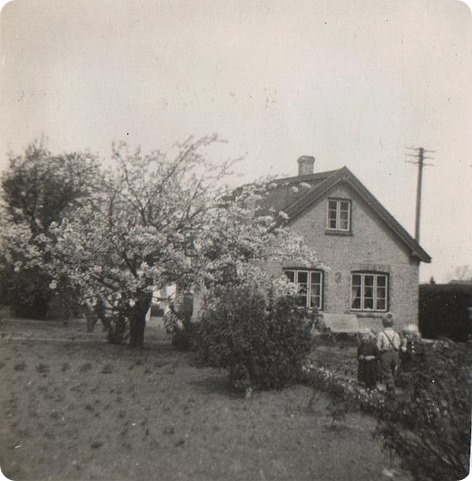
(372, 263)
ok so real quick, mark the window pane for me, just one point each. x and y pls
(315, 289)
(356, 297)
(332, 214)
(290, 275)
(381, 305)
(356, 280)
(332, 220)
(315, 302)
(316, 277)
(368, 280)
(368, 303)
(381, 280)
(302, 277)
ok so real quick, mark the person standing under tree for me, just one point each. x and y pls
(388, 344)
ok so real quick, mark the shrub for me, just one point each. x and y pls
(255, 332)
(429, 428)
(444, 311)
(117, 328)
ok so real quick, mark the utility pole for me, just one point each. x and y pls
(420, 155)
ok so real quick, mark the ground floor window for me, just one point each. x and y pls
(369, 291)
(310, 284)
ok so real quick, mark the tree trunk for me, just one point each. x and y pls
(138, 321)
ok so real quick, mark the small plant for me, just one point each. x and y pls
(180, 326)
(42, 368)
(20, 366)
(107, 369)
(85, 367)
(117, 327)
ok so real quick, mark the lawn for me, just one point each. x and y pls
(73, 407)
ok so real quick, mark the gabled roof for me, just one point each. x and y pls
(294, 195)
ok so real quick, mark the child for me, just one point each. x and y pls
(409, 346)
(368, 355)
(388, 344)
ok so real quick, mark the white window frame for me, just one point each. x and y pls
(309, 285)
(375, 287)
(339, 203)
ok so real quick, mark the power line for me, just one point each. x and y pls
(420, 155)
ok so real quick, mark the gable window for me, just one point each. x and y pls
(369, 291)
(310, 285)
(339, 215)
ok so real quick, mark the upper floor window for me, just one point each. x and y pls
(339, 215)
(310, 285)
(369, 291)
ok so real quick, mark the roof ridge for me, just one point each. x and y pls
(304, 178)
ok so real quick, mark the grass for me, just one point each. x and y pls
(106, 412)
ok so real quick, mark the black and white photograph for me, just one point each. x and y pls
(235, 240)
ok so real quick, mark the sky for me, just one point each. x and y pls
(354, 83)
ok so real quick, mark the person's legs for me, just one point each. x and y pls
(387, 366)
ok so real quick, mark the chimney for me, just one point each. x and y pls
(305, 165)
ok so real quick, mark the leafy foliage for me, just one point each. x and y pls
(428, 425)
(38, 188)
(429, 429)
(255, 330)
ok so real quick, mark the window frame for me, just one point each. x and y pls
(309, 296)
(338, 218)
(375, 287)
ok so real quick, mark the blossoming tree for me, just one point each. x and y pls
(154, 220)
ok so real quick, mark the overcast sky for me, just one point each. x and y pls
(350, 82)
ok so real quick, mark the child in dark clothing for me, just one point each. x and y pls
(368, 356)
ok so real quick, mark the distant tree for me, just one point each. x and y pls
(156, 219)
(37, 189)
(462, 273)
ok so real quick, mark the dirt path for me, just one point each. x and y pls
(76, 408)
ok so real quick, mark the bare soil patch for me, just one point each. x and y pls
(73, 407)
